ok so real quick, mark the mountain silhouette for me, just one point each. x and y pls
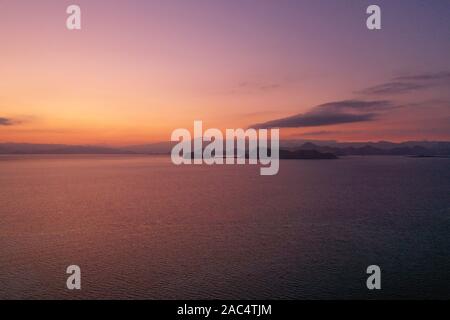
(289, 149)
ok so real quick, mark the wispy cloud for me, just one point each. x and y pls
(437, 76)
(411, 83)
(333, 113)
(254, 87)
(318, 133)
(6, 122)
(16, 120)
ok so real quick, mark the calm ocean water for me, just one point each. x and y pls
(140, 227)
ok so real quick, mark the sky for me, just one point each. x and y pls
(137, 70)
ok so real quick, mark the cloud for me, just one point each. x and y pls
(249, 87)
(318, 133)
(405, 84)
(438, 76)
(393, 88)
(6, 122)
(333, 113)
(313, 120)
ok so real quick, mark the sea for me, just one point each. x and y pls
(140, 227)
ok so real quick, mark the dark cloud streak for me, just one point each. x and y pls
(405, 84)
(6, 122)
(333, 113)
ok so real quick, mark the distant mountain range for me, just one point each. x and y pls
(288, 148)
(380, 148)
(27, 148)
(306, 154)
(283, 154)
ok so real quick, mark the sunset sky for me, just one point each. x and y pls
(140, 69)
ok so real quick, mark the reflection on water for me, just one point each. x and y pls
(140, 227)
